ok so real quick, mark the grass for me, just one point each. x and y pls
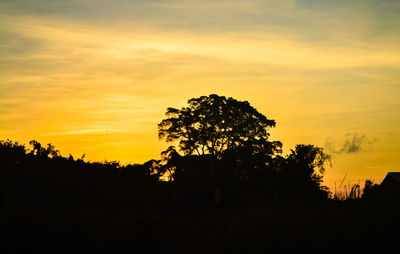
(347, 191)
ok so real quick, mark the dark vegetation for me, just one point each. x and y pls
(226, 188)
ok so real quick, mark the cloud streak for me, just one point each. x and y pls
(354, 143)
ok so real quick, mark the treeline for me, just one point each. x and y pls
(223, 158)
(38, 176)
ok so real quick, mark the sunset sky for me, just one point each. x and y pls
(96, 76)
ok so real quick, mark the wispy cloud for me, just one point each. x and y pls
(353, 143)
(81, 132)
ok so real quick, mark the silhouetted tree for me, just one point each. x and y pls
(213, 124)
(302, 172)
(225, 145)
(170, 158)
(39, 150)
(310, 162)
(370, 190)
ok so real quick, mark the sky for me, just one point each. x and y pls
(95, 77)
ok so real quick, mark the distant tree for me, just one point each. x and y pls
(171, 159)
(51, 149)
(303, 170)
(11, 151)
(370, 189)
(12, 155)
(310, 162)
(39, 150)
(214, 124)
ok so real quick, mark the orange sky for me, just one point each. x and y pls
(96, 77)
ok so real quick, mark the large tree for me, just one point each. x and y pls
(213, 124)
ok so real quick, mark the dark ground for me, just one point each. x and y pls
(336, 227)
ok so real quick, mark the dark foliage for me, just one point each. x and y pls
(226, 148)
(40, 178)
(213, 124)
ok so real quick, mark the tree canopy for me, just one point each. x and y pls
(213, 124)
(309, 161)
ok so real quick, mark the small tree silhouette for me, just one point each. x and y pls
(302, 172)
